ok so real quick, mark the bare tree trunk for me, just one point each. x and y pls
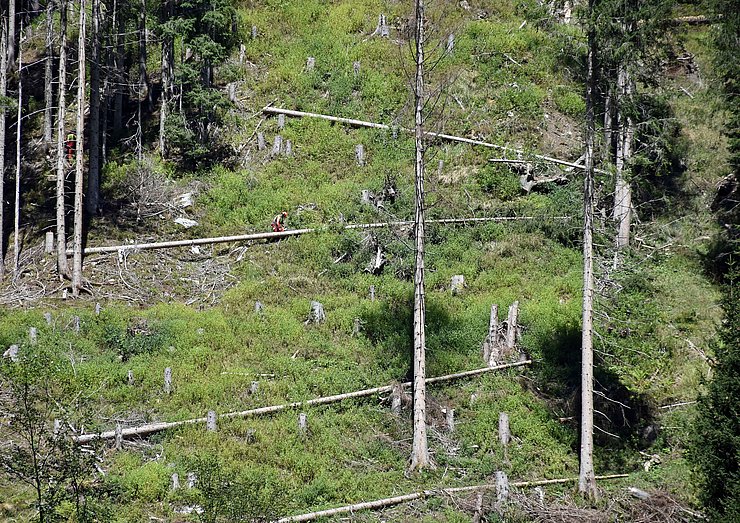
(143, 78)
(168, 66)
(77, 246)
(118, 65)
(17, 214)
(62, 265)
(49, 74)
(420, 452)
(11, 32)
(3, 92)
(586, 478)
(623, 190)
(609, 124)
(93, 173)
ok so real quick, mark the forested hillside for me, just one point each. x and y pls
(411, 261)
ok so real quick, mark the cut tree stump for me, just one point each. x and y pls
(258, 307)
(450, 419)
(118, 441)
(502, 487)
(372, 293)
(175, 484)
(130, 377)
(261, 142)
(281, 121)
(277, 146)
(32, 335)
(356, 68)
(450, 42)
(167, 380)
(511, 326)
(492, 343)
(192, 479)
(504, 433)
(211, 421)
(302, 424)
(317, 314)
(310, 63)
(360, 154)
(11, 353)
(254, 387)
(457, 284)
(47, 317)
(288, 148)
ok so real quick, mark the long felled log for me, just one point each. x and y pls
(296, 232)
(151, 428)
(397, 500)
(439, 136)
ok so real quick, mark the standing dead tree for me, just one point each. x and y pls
(61, 229)
(77, 247)
(586, 479)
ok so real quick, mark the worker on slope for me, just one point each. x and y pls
(278, 223)
(71, 145)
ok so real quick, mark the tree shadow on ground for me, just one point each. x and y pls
(389, 326)
(623, 419)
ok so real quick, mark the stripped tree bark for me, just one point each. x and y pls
(49, 74)
(586, 481)
(623, 189)
(3, 92)
(93, 172)
(77, 247)
(168, 72)
(17, 213)
(62, 265)
(420, 452)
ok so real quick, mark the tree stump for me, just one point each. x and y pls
(502, 487)
(440, 168)
(76, 324)
(450, 42)
(367, 197)
(251, 436)
(492, 343)
(167, 380)
(504, 433)
(33, 335)
(288, 148)
(379, 260)
(277, 146)
(98, 309)
(47, 317)
(317, 314)
(281, 121)
(260, 142)
(310, 63)
(242, 53)
(450, 419)
(382, 27)
(258, 307)
(396, 399)
(119, 436)
(130, 377)
(254, 32)
(356, 68)
(175, 481)
(372, 293)
(11, 353)
(360, 154)
(192, 479)
(511, 326)
(302, 424)
(457, 284)
(49, 243)
(211, 421)
(478, 514)
(356, 327)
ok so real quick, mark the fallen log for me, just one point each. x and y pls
(440, 136)
(295, 232)
(397, 500)
(151, 428)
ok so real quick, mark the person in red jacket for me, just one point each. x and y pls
(71, 145)
(278, 223)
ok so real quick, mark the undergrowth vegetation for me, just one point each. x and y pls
(508, 82)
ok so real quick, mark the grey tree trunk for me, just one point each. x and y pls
(586, 477)
(119, 29)
(623, 189)
(49, 75)
(77, 246)
(92, 202)
(144, 88)
(11, 32)
(168, 68)
(419, 452)
(609, 124)
(3, 92)
(62, 265)
(17, 213)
